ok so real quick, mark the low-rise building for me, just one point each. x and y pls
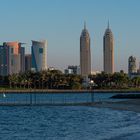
(72, 70)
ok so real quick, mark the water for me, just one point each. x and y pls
(67, 123)
(53, 98)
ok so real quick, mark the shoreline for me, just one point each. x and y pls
(126, 105)
(68, 91)
(132, 105)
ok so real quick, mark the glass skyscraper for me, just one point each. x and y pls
(39, 55)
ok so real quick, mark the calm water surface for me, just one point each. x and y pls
(67, 123)
(54, 98)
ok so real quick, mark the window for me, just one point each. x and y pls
(12, 50)
(40, 50)
(12, 62)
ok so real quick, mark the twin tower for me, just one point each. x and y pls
(85, 52)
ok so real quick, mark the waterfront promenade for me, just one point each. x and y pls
(44, 91)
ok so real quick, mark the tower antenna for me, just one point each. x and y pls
(84, 24)
(108, 24)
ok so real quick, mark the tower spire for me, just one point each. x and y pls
(108, 24)
(84, 24)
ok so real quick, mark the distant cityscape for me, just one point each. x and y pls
(14, 60)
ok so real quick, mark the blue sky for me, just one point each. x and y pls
(61, 23)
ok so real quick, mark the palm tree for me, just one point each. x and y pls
(120, 80)
(136, 81)
(13, 80)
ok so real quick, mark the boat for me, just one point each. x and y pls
(4, 96)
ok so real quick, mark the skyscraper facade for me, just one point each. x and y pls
(85, 53)
(132, 65)
(14, 57)
(22, 57)
(39, 55)
(28, 62)
(108, 51)
(4, 60)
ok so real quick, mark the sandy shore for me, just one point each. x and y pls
(129, 105)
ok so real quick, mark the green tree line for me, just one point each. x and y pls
(55, 79)
(118, 80)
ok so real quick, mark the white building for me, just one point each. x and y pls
(72, 70)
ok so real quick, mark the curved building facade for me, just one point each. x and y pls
(39, 55)
(85, 54)
(108, 51)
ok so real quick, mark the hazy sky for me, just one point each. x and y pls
(61, 23)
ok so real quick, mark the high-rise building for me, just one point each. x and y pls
(14, 57)
(4, 60)
(108, 51)
(85, 54)
(22, 57)
(28, 62)
(132, 65)
(39, 55)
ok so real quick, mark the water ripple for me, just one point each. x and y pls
(67, 123)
